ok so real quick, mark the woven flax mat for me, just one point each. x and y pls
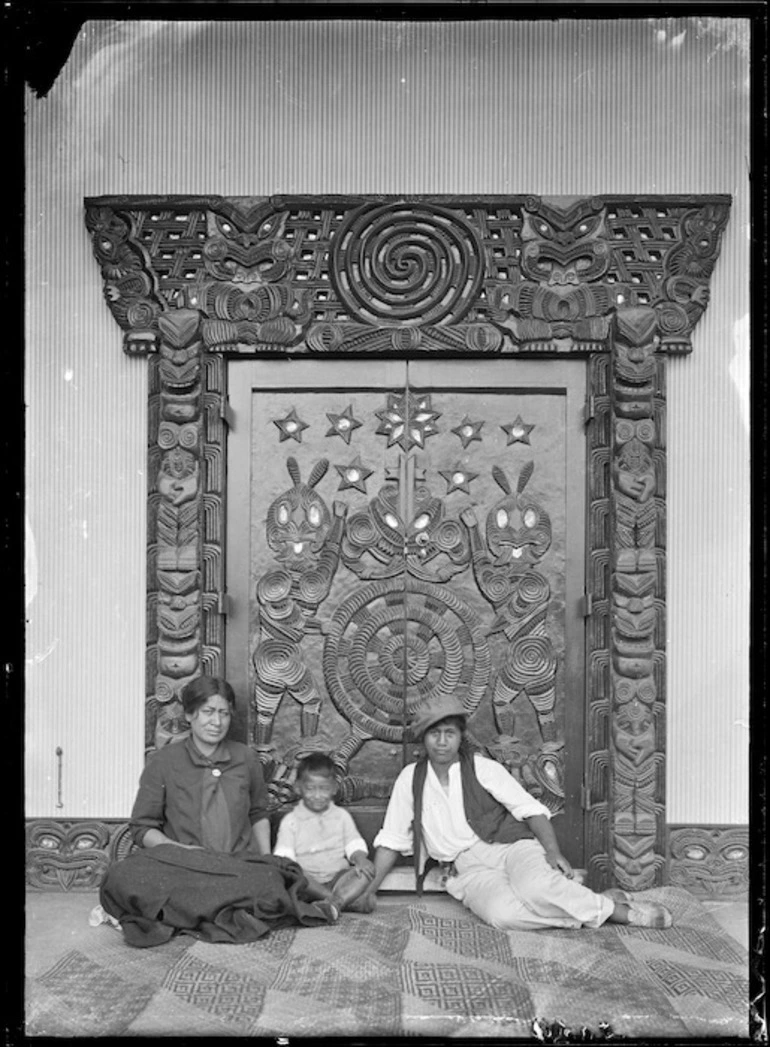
(421, 967)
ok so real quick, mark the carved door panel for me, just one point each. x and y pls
(403, 529)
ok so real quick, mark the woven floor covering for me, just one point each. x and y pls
(415, 967)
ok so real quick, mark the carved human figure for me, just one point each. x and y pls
(305, 538)
(518, 534)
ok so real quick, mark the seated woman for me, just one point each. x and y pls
(200, 820)
(497, 842)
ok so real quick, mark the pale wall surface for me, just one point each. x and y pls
(575, 107)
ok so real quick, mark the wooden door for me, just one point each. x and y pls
(402, 529)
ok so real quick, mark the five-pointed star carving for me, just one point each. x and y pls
(291, 426)
(414, 414)
(354, 475)
(468, 431)
(517, 431)
(458, 478)
(343, 424)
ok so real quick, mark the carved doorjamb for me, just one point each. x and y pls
(620, 281)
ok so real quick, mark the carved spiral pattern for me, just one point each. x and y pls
(532, 660)
(449, 535)
(672, 318)
(496, 586)
(361, 530)
(417, 659)
(533, 589)
(313, 586)
(372, 634)
(274, 587)
(278, 664)
(141, 313)
(405, 264)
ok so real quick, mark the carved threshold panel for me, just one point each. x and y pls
(618, 281)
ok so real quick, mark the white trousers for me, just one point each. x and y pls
(512, 887)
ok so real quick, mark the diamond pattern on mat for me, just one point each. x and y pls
(335, 951)
(97, 994)
(387, 938)
(277, 943)
(605, 937)
(681, 980)
(687, 939)
(467, 991)
(374, 1004)
(463, 936)
(223, 993)
(623, 985)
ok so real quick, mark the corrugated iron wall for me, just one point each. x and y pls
(575, 107)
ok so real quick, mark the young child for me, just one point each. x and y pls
(323, 838)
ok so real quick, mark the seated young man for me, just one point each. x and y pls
(323, 838)
(468, 813)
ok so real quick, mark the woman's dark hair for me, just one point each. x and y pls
(195, 693)
(316, 763)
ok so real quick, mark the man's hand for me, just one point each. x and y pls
(557, 861)
(363, 863)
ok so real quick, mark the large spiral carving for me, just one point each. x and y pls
(373, 633)
(406, 264)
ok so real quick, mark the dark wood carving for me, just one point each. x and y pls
(620, 281)
(73, 855)
(709, 859)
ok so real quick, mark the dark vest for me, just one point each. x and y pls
(489, 819)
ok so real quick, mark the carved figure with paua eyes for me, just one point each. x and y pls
(298, 521)
(518, 534)
(518, 529)
(305, 538)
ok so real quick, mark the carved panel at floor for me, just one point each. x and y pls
(709, 859)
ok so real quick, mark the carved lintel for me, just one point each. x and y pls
(521, 274)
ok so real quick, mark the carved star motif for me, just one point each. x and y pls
(517, 431)
(354, 475)
(407, 411)
(457, 478)
(343, 424)
(468, 431)
(291, 426)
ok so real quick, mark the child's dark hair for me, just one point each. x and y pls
(316, 763)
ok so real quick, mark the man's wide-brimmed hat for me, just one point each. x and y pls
(434, 710)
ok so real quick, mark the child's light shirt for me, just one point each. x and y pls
(320, 843)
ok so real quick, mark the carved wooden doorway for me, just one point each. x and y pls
(400, 529)
(613, 284)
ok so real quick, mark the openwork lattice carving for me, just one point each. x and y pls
(619, 281)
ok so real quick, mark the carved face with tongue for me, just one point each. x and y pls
(518, 528)
(299, 520)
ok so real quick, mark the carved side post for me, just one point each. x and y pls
(185, 508)
(637, 600)
(646, 327)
